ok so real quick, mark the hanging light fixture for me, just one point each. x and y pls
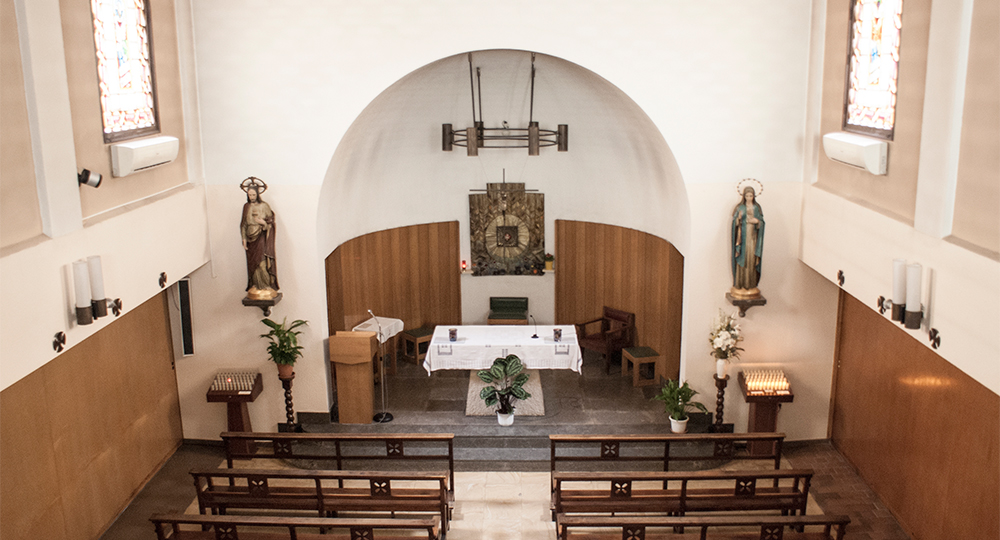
(478, 136)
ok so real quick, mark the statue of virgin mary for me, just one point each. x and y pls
(747, 241)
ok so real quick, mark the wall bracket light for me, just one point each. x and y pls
(478, 136)
(905, 303)
(90, 300)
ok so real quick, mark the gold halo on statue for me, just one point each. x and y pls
(758, 188)
(253, 181)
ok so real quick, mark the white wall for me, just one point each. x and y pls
(226, 333)
(163, 235)
(794, 332)
(960, 287)
(281, 85)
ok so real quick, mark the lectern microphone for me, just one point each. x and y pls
(536, 327)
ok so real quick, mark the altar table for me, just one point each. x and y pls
(477, 347)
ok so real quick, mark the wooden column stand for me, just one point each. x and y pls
(290, 426)
(720, 401)
(352, 355)
(238, 416)
(763, 413)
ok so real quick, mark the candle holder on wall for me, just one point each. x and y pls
(906, 305)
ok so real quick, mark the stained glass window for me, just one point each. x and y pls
(124, 68)
(870, 104)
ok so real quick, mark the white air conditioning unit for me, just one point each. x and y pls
(134, 156)
(856, 150)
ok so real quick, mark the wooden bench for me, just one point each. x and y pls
(676, 493)
(657, 452)
(338, 449)
(710, 527)
(324, 492)
(169, 527)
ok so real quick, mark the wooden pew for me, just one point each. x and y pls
(710, 528)
(338, 449)
(785, 491)
(657, 452)
(169, 527)
(323, 492)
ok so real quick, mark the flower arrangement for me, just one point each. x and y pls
(550, 257)
(725, 337)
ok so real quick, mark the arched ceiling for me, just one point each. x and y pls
(389, 169)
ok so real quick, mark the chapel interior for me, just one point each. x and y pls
(358, 117)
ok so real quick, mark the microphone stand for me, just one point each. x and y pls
(383, 416)
(536, 327)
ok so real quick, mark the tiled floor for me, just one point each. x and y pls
(514, 505)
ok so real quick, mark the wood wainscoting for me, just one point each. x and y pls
(409, 273)
(605, 265)
(81, 435)
(923, 434)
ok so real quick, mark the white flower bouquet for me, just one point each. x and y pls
(725, 337)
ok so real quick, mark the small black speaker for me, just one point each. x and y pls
(184, 296)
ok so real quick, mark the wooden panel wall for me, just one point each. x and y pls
(408, 273)
(82, 434)
(923, 434)
(604, 265)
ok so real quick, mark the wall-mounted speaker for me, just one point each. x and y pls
(184, 307)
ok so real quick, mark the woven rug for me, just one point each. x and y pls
(533, 406)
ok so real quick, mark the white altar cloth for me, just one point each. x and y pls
(477, 347)
(390, 327)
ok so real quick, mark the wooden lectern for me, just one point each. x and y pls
(352, 354)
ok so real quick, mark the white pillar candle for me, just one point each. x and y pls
(81, 283)
(913, 276)
(96, 277)
(899, 281)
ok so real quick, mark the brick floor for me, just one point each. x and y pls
(838, 489)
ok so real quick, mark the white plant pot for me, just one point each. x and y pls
(721, 367)
(505, 419)
(679, 426)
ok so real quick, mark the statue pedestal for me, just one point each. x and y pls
(264, 305)
(745, 303)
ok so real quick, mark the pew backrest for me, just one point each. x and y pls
(320, 491)
(182, 527)
(819, 527)
(680, 492)
(658, 452)
(340, 450)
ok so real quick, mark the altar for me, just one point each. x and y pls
(475, 347)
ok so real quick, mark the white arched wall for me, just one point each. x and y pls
(280, 86)
(389, 170)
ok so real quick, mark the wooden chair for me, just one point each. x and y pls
(615, 331)
(508, 310)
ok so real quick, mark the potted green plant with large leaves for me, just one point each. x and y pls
(284, 347)
(677, 402)
(505, 380)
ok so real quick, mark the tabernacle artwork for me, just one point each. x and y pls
(747, 244)
(507, 231)
(257, 231)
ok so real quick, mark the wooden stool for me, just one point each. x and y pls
(413, 340)
(638, 356)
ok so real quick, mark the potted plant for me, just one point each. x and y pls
(549, 258)
(677, 402)
(506, 384)
(284, 347)
(724, 339)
